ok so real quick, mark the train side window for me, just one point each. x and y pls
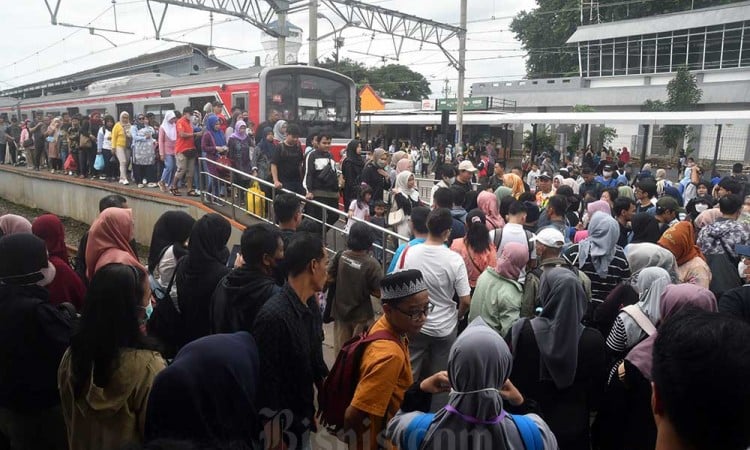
(158, 110)
(197, 103)
(240, 101)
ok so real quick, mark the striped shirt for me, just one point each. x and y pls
(601, 286)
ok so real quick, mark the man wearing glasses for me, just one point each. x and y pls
(385, 371)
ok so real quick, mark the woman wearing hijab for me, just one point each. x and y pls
(691, 266)
(120, 134)
(279, 132)
(200, 271)
(498, 294)
(598, 206)
(208, 394)
(503, 192)
(240, 147)
(393, 169)
(67, 286)
(213, 143)
(627, 421)
(406, 197)
(599, 257)
(571, 183)
(487, 202)
(557, 361)
(106, 374)
(144, 143)
(352, 168)
(375, 176)
(14, 224)
(168, 245)
(479, 365)
(628, 329)
(109, 242)
(515, 183)
(167, 139)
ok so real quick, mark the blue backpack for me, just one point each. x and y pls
(417, 429)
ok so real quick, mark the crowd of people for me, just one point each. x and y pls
(574, 303)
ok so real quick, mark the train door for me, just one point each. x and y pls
(128, 107)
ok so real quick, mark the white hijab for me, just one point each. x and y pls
(170, 129)
(402, 183)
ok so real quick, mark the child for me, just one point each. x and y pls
(360, 208)
(379, 220)
(532, 176)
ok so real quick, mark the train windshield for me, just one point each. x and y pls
(318, 101)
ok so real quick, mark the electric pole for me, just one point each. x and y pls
(312, 26)
(461, 75)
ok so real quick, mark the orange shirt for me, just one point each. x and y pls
(385, 375)
(184, 126)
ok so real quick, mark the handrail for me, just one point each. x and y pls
(384, 233)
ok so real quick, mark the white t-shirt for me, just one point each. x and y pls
(445, 274)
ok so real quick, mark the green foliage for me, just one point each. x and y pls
(544, 139)
(683, 94)
(607, 135)
(545, 30)
(583, 108)
(392, 81)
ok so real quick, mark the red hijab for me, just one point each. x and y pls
(67, 286)
(109, 241)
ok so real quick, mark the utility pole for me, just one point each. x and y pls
(461, 75)
(281, 40)
(446, 89)
(312, 26)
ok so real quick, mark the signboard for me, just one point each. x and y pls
(428, 104)
(470, 104)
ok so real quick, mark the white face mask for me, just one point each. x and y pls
(451, 180)
(741, 268)
(700, 207)
(607, 173)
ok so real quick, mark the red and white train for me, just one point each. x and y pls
(316, 99)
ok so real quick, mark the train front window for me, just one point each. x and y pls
(316, 103)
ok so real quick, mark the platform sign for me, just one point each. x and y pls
(470, 104)
(428, 104)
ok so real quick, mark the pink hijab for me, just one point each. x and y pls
(599, 206)
(13, 224)
(512, 260)
(403, 165)
(707, 217)
(487, 202)
(674, 298)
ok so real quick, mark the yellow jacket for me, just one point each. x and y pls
(119, 139)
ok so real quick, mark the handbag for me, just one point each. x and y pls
(396, 217)
(84, 141)
(724, 271)
(166, 323)
(223, 160)
(70, 163)
(256, 200)
(113, 159)
(331, 292)
(99, 162)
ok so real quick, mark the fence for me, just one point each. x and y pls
(237, 196)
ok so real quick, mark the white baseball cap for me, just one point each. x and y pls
(549, 237)
(467, 166)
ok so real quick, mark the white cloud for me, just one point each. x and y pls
(39, 50)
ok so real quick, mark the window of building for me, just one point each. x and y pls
(731, 54)
(695, 48)
(608, 54)
(745, 45)
(679, 52)
(594, 60)
(648, 55)
(713, 50)
(664, 52)
(621, 56)
(634, 55)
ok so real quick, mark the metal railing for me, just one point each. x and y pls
(237, 197)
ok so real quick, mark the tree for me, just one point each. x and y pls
(393, 81)
(544, 139)
(545, 30)
(607, 135)
(683, 94)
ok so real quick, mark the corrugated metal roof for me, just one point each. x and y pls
(706, 17)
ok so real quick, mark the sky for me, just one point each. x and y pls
(38, 50)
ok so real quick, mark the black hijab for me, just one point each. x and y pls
(207, 395)
(645, 228)
(172, 228)
(208, 243)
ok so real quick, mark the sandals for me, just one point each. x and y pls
(192, 193)
(174, 192)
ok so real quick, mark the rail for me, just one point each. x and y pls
(258, 204)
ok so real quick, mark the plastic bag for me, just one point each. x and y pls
(99, 162)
